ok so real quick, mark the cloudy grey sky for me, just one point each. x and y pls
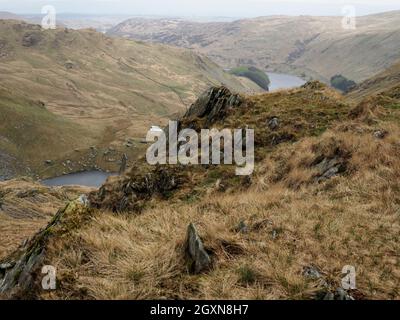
(228, 8)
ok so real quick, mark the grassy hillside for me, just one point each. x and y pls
(386, 83)
(86, 82)
(30, 134)
(316, 46)
(324, 194)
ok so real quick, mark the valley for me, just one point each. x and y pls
(304, 45)
(79, 193)
(95, 96)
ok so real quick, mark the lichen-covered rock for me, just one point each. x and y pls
(273, 123)
(20, 273)
(311, 272)
(131, 191)
(214, 104)
(329, 168)
(198, 258)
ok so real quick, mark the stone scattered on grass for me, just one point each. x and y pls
(198, 258)
(273, 123)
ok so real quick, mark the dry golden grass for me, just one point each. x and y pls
(294, 219)
(293, 223)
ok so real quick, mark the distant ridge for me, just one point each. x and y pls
(318, 47)
(4, 15)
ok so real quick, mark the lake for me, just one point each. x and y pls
(86, 179)
(284, 81)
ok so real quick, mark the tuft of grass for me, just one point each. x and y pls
(247, 275)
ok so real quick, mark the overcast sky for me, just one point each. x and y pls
(227, 8)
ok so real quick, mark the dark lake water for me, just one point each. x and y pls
(284, 81)
(87, 179)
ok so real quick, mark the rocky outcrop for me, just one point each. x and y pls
(31, 39)
(314, 85)
(130, 192)
(214, 104)
(20, 273)
(331, 159)
(329, 168)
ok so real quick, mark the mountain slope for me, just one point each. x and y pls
(113, 88)
(316, 46)
(30, 134)
(324, 195)
(386, 83)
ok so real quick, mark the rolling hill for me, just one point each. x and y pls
(108, 89)
(314, 46)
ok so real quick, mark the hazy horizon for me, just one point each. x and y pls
(205, 8)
